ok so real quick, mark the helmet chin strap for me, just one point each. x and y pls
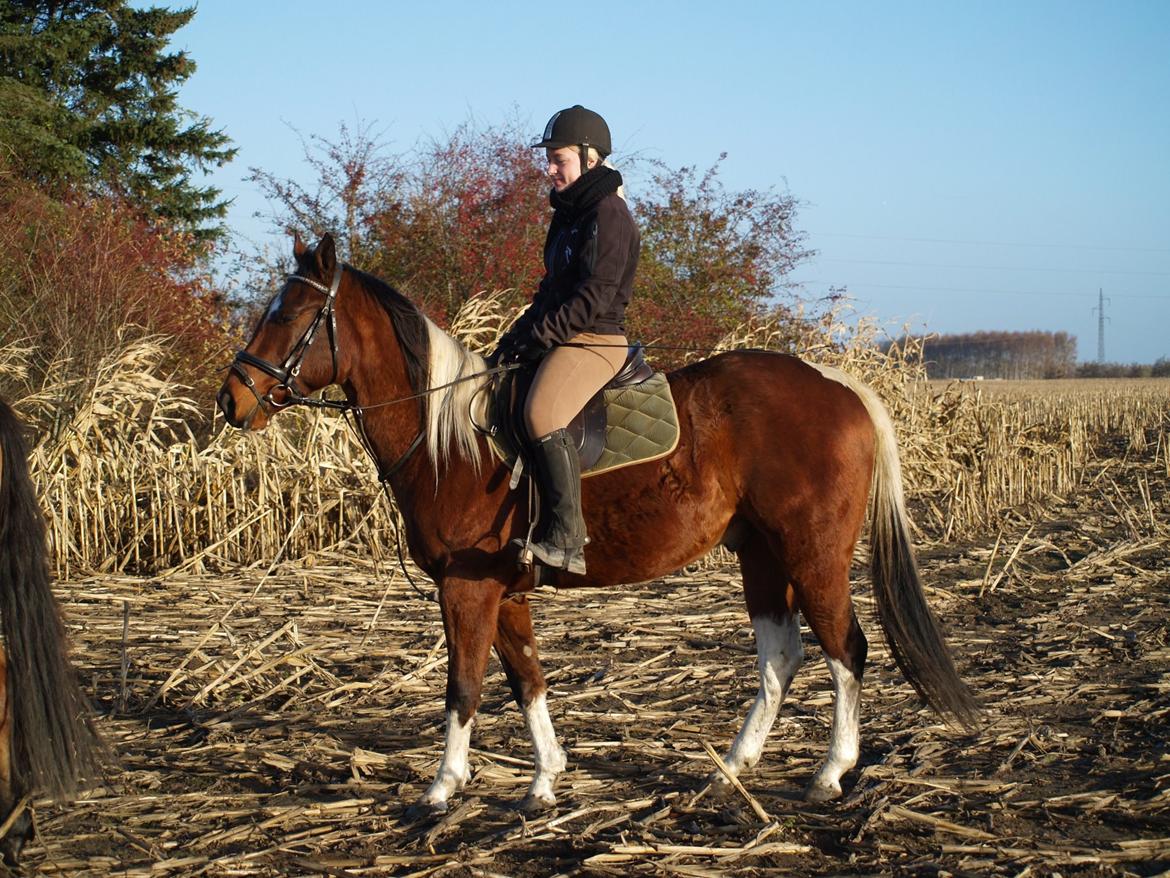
(583, 152)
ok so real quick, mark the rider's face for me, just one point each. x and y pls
(564, 167)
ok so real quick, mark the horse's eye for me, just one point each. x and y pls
(285, 315)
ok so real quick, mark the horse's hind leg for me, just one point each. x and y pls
(777, 585)
(516, 647)
(844, 742)
(776, 622)
(823, 590)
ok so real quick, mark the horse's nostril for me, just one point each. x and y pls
(227, 405)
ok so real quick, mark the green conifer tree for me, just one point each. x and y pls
(88, 97)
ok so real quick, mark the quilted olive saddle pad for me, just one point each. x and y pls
(621, 426)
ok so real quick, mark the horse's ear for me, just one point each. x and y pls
(300, 248)
(326, 254)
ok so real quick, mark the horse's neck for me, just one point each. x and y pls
(379, 385)
(440, 468)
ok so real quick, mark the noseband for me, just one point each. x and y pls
(287, 373)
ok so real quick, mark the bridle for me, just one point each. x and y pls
(287, 373)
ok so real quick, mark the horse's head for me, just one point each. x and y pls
(294, 350)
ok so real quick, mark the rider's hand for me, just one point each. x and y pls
(525, 352)
(505, 349)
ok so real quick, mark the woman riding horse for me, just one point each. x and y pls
(575, 325)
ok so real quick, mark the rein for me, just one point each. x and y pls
(286, 375)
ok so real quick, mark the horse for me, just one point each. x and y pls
(775, 461)
(48, 743)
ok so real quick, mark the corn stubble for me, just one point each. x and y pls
(130, 486)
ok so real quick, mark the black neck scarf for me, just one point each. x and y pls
(585, 192)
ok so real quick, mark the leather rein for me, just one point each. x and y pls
(286, 375)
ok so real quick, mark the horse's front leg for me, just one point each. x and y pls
(470, 608)
(516, 647)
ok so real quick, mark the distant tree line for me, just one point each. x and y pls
(1019, 355)
(1159, 369)
(1012, 355)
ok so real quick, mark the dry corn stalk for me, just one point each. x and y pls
(132, 482)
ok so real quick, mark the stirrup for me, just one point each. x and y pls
(553, 557)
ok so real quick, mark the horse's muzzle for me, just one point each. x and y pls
(227, 405)
(226, 401)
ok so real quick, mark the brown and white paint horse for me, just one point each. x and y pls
(776, 460)
(48, 744)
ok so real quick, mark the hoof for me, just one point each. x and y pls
(425, 812)
(531, 804)
(822, 793)
(719, 787)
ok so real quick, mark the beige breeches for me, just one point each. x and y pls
(568, 377)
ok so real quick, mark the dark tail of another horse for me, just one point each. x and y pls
(912, 631)
(55, 747)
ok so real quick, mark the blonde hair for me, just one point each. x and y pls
(621, 190)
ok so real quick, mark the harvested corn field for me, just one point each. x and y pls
(279, 722)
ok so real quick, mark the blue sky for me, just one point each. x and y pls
(961, 166)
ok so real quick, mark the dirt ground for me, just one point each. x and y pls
(280, 724)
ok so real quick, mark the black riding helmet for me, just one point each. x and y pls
(577, 127)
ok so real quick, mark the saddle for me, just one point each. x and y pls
(630, 420)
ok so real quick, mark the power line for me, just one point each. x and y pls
(994, 243)
(992, 267)
(981, 290)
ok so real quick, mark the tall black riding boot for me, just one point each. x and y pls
(558, 471)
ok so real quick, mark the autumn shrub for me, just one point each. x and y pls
(81, 277)
(712, 258)
(458, 216)
(469, 213)
(474, 219)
